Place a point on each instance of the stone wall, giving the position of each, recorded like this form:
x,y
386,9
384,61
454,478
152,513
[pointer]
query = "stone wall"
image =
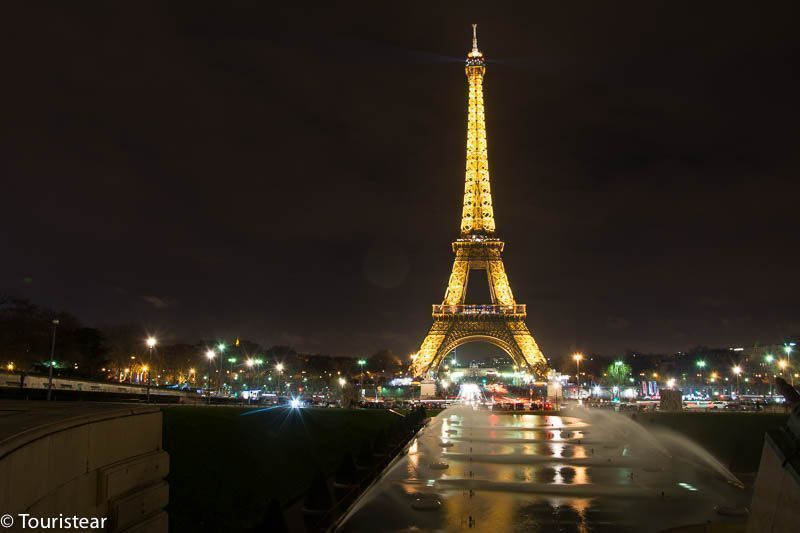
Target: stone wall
x,y
776,495
101,461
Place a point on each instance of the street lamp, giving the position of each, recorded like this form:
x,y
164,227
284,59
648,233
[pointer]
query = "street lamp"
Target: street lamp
x,y
342,382
231,360
210,355
249,362
258,362
701,365
221,349
279,368
788,350
361,363
769,359
578,357
151,343
50,366
738,371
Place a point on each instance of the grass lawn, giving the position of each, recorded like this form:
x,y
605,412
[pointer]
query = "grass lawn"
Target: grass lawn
x,y
226,463
736,439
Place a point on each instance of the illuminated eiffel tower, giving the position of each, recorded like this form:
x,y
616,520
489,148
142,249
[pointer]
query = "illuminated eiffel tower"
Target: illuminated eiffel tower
x,y
501,323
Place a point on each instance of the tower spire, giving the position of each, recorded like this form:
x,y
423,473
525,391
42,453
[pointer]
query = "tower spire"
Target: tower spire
x,y
477,216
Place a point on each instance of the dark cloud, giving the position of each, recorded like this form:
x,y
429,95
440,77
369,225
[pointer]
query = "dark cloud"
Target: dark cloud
x,y
159,303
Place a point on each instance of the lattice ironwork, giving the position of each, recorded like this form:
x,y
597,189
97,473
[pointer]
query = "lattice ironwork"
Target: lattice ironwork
x,y
501,322
477,216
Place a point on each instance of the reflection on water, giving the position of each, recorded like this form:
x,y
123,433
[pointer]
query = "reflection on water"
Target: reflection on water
x,y
511,472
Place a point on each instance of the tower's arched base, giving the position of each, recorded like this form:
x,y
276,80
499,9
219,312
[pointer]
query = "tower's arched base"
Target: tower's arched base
x,y
509,333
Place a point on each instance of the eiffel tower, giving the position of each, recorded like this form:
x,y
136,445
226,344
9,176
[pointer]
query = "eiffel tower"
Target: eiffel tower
x,y
501,323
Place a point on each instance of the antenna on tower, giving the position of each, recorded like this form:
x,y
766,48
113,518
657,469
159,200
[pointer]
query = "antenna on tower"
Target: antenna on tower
x,y
474,37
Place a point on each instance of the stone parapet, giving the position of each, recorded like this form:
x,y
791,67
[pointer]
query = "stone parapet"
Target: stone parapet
x,y
84,460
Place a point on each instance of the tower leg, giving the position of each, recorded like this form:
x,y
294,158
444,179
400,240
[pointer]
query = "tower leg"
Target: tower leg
x,y
425,358
534,358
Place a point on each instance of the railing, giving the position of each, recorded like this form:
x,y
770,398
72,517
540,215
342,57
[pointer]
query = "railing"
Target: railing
x,y
479,309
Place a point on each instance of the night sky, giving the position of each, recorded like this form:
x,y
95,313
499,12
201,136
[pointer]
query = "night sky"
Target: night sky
x,y
295,177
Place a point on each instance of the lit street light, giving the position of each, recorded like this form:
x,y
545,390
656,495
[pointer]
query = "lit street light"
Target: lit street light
x,y
258,362
361,363
52,360
578,357
231,360
279,368
768,358
738,371
151,343
221,348
788,350
210,355
249,362
701,365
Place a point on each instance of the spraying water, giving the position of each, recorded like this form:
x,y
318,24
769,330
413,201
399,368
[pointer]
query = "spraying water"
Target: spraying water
x,y
472,468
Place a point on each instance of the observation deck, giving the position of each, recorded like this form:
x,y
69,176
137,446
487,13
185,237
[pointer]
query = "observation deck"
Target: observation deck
x,y
473,310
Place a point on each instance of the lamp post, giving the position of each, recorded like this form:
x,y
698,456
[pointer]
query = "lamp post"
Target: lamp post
x,y
361,363
578,357
258,363
771,376
210,354
50,366
738,371
279,368
782,364
701,365
249,364
342,383
151,343
788,350
231,360
221,348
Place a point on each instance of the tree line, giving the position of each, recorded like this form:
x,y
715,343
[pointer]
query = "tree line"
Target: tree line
x,y
26,333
